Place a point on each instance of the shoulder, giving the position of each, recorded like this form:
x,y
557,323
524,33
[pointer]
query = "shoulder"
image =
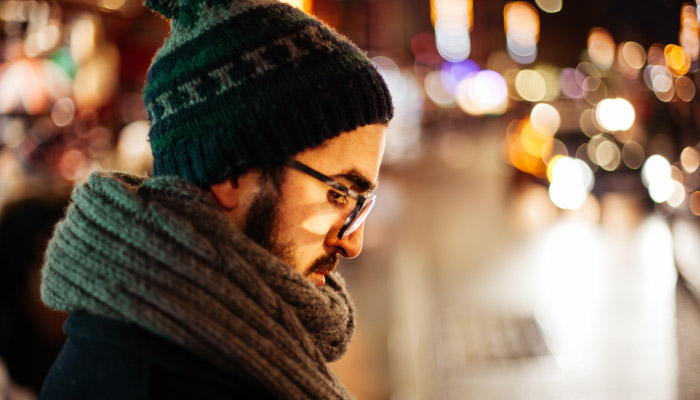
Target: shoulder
x,y
107,359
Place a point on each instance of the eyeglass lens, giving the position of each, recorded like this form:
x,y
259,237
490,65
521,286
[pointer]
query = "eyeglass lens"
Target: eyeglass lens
x,y
359,216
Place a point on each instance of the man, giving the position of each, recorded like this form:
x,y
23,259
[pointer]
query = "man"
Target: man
x,y
215,279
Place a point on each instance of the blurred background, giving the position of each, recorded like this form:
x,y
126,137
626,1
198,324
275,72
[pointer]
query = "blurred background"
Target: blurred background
x,y
538,214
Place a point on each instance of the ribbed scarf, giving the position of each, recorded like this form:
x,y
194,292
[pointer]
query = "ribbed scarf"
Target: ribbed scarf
x,y
160,253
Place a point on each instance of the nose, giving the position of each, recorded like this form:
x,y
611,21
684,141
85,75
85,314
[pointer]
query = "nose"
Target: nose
x,y
350,246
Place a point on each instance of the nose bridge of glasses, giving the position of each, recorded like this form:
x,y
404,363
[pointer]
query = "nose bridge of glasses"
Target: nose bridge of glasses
x,y
358,205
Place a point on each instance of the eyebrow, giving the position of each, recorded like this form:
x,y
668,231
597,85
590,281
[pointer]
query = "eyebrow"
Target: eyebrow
x,y
358,180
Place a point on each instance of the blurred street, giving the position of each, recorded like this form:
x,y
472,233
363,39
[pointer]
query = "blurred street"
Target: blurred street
x,y
482,289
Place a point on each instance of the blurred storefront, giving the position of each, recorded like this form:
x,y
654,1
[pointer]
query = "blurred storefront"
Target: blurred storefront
x,y
540,187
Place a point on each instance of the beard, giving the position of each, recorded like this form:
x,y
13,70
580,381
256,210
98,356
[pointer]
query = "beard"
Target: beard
x,y
259,225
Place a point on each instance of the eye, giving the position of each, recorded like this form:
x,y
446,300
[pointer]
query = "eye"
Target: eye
x,y
337,198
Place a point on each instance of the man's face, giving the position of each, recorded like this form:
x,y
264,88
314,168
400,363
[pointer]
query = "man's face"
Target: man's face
x,y
300,222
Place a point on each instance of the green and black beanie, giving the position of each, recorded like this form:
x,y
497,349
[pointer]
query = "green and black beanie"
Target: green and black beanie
x,y
243,84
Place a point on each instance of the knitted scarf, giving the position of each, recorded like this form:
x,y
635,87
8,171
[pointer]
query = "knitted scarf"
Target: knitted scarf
x,y
160,253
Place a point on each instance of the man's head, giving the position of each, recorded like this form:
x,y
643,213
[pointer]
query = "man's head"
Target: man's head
x,y
299,218
242,87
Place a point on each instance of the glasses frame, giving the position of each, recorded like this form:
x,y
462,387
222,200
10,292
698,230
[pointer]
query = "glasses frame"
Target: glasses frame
x,y
364,201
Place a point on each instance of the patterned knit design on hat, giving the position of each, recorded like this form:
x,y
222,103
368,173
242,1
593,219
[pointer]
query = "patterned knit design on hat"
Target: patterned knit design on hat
x,y
241,84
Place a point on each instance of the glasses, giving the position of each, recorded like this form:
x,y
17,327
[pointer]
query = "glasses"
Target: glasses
x,y
364,205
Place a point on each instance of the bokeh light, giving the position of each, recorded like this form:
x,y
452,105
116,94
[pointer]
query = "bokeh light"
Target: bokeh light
x,y
582,154
530,85
403,134
660,81
133,150
549,6
96,80
553,148
608,155
596,95
551,82
694,203
455,72
484,92
588,124
656,176
436,90
571,182
676,174
545,119
83,37
73,165
522,26
550,166
569,84
29,85
615,114
12,132
586,70
388,68
452,40
677,196
453,21
62,112
655,55
690,159
655,168
532,140
592,147
633,55
43,33
304,5
589,77
523,147
689,36
685,88
661,191
677,59
601,47
633,154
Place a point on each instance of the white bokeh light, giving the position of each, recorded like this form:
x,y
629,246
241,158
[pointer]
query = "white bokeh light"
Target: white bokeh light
x,y
545,118
452,40
660,191
656,168
436,90
483,92
678,196
572,181
615,114
656,175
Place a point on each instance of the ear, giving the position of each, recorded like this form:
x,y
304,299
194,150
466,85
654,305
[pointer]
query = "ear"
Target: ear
x,y
232,192
226,193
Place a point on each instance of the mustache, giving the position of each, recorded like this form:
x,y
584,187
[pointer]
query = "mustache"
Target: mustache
x,y
325,264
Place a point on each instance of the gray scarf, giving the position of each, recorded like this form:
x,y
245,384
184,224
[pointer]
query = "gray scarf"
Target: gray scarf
x,y
161,254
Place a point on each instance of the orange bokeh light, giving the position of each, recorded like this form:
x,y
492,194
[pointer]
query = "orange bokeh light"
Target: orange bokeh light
x,y
677,59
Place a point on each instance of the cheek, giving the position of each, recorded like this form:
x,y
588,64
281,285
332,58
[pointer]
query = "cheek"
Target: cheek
x,y
306,225
319,224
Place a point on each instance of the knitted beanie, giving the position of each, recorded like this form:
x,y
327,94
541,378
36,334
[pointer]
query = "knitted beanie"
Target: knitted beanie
x,y
243,84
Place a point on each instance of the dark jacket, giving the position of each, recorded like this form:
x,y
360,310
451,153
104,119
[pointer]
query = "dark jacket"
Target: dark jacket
x,y
107,359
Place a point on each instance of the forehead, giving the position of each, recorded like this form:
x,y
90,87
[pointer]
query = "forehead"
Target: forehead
x,y
360,150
